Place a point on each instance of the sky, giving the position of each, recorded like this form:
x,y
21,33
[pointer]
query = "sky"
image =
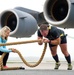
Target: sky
x,y
34,50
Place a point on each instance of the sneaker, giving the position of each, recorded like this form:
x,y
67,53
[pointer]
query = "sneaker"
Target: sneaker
x,y
5,66
57,65
69,67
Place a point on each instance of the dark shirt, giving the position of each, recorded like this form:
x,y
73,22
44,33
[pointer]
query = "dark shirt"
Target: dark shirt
x,y
53,33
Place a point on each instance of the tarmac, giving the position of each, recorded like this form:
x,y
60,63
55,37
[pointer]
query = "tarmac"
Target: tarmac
x,y
44,68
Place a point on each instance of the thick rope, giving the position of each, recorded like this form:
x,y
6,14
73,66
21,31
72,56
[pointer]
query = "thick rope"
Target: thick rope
x,y
10,68
34,65
25,62
21,42
1,61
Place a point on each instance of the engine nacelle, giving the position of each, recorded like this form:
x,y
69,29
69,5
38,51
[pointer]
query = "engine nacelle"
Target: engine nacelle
x,y
22,24
59,13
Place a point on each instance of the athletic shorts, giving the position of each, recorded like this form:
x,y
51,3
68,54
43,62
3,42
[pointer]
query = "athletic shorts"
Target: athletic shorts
x,y
63,41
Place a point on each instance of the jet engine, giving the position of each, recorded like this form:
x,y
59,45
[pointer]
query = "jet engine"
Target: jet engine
x,y
59,13
22,22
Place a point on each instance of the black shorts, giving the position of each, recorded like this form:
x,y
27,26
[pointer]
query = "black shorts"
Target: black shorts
x,y
63,41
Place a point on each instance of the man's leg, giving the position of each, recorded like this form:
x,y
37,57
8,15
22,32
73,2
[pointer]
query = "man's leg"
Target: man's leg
x,y
67,55
55,56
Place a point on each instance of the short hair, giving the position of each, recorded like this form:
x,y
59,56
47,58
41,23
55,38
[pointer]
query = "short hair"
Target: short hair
x,y
44,27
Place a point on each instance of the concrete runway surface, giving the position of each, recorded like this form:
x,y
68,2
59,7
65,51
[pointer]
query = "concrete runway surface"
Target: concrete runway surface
x,y
37,72
46,68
